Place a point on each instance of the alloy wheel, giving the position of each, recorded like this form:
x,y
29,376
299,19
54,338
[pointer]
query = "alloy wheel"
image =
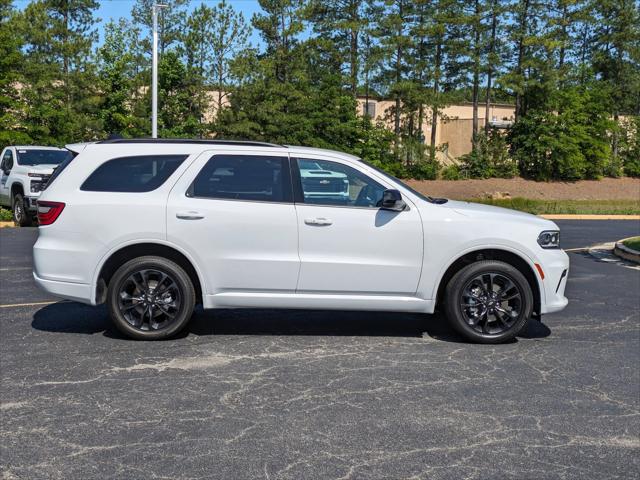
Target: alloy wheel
x,y
149,299
491,303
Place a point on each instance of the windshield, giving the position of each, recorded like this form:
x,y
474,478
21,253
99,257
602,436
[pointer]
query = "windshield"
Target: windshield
x,y
397,180
42,157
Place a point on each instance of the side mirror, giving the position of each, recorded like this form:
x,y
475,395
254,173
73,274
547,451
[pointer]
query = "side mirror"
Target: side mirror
x,y
392,200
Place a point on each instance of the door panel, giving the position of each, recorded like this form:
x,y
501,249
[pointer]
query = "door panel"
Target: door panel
x,y
240,245
350,249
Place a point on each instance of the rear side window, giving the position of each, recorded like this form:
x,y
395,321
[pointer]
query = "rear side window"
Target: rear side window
x,y
244,177
133,174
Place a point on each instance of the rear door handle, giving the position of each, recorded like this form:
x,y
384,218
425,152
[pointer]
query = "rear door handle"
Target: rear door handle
x,y
190,215
318,221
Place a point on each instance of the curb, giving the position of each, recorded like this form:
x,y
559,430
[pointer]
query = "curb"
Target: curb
x,y
590,217
626,253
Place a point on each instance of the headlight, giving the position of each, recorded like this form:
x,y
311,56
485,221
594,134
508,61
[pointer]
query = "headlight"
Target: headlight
x,y
549,239
36,187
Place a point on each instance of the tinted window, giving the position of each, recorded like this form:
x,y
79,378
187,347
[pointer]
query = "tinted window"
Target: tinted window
x,y
42,157
243,177
7,161
133,174
330,183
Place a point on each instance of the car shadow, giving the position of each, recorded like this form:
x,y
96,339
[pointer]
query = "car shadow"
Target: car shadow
x,y
71,317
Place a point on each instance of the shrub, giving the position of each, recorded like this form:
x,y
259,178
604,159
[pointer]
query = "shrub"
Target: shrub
x,y
5,215
490,157
451,172
630,147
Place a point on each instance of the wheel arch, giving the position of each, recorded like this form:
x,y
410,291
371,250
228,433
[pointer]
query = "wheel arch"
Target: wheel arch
x,y
118,257
518,261
16,187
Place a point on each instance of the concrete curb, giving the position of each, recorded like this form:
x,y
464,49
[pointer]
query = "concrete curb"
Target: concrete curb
x,y
590,217
626,253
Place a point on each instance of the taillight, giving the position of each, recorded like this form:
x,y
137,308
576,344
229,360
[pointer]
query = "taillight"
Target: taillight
x,y
48,212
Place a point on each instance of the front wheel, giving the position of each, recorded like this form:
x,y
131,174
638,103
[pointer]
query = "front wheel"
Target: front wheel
x,y
150,298
489,301
21,217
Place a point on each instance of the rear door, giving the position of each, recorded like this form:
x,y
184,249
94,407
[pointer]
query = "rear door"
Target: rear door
x,y
234,214
348,245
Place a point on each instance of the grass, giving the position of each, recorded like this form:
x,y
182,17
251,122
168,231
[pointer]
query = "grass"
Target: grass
x,y
571,207
633,243
5,215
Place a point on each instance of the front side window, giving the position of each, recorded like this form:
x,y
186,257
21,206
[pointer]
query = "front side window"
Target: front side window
x,y
243,177
330,183
42,157
7,161
133,174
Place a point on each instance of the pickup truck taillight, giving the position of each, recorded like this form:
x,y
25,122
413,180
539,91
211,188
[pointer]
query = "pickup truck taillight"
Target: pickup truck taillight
x,y
48,212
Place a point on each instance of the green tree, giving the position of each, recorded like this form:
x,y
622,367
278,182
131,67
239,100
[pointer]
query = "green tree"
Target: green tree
x,y
59,74
12,107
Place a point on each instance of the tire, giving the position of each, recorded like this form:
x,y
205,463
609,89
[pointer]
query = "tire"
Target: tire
x,y
137,312
21,217
496,288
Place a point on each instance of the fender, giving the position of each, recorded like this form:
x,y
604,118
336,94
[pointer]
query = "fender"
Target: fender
x,y
128,243
490,246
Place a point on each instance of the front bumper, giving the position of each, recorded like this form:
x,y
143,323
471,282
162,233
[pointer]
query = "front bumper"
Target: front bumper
x,y
555,266
31,204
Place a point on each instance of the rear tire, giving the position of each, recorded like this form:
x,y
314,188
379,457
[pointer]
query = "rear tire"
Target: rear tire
x,y
21,217
150,298
489,302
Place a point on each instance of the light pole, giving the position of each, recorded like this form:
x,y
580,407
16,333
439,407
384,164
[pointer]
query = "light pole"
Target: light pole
x,y
154,72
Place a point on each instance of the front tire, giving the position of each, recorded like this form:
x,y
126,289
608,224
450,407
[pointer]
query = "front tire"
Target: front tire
x,y
489,301
150,298
21,217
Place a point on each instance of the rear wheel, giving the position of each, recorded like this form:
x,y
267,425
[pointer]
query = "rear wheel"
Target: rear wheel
x,y
21,216
489,301
150,298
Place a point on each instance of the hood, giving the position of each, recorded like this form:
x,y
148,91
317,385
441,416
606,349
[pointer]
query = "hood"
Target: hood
x,y
479,210
41,169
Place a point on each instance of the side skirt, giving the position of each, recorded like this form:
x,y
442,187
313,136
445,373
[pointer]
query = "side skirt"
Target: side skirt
x,y
313,301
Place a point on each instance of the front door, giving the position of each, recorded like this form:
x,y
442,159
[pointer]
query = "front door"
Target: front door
x,y
348,245
235,216
6,164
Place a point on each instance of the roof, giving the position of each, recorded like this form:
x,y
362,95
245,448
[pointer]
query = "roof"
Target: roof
x,y
35,147
188,141
194,143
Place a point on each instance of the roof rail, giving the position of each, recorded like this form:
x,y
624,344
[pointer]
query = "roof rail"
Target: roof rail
x,y
189,140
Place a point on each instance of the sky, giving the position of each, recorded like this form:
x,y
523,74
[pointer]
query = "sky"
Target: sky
x,y
114,9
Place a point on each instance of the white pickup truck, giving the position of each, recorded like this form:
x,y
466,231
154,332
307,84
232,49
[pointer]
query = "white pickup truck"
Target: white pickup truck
x,y
24,171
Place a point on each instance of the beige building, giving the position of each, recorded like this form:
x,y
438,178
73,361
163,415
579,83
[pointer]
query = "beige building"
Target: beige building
x,y
454,127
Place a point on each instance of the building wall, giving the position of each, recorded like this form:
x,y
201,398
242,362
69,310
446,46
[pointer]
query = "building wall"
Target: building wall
x,y
454,126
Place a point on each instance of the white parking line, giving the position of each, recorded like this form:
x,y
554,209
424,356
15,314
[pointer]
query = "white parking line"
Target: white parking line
x,y
11,269
34,304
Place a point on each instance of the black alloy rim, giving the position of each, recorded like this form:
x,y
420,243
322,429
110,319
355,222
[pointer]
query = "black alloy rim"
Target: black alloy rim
x,y
149,300
491,303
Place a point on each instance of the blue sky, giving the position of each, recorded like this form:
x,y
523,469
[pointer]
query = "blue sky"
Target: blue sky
x,y
114,9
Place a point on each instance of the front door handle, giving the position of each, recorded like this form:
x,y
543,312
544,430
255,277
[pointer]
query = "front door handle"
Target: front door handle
x,y
190,215
318,221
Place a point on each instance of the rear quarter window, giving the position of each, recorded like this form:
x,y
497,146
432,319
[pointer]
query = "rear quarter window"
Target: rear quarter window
x,y
133,174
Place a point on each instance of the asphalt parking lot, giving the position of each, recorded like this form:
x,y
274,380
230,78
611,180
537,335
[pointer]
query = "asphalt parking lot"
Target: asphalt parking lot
x,y
304,395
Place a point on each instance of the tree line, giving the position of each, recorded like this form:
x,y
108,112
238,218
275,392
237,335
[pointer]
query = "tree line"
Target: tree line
x,y
571,68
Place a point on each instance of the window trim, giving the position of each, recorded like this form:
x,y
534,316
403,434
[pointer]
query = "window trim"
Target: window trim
x,y
298,193
82,189
286,172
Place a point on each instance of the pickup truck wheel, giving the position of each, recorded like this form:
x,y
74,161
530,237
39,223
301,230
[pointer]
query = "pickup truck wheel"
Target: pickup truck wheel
x,y
21,217
489,301
150,298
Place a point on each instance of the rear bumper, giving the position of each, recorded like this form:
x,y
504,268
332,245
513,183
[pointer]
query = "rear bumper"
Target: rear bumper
x,y
78,292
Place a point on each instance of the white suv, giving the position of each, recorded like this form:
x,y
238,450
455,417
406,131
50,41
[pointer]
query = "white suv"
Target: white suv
x,y
153,227
24,171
